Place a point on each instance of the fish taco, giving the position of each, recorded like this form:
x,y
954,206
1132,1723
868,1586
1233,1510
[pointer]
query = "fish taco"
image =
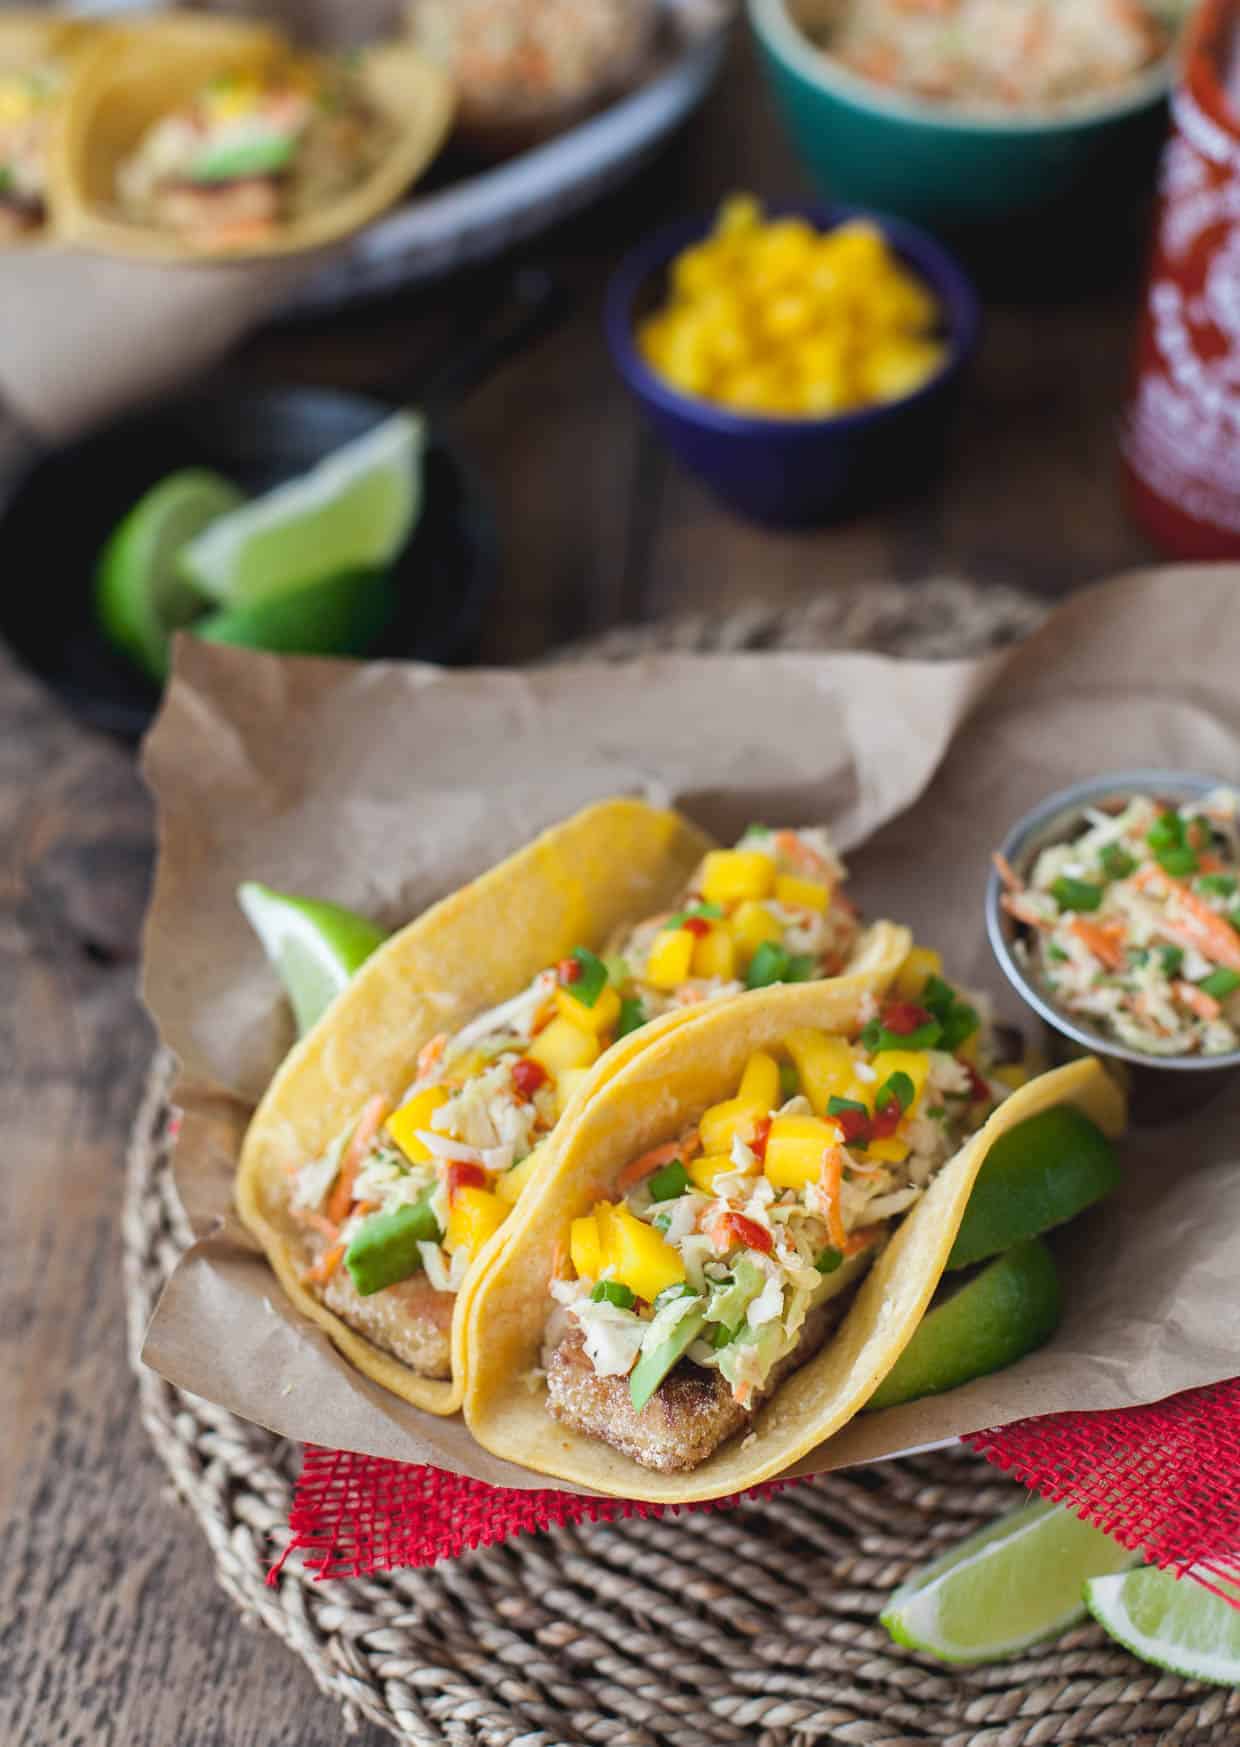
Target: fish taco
x,y
38,52
185,141
741,1233
382,1166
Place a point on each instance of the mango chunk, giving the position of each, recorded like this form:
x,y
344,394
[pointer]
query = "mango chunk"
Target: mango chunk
x,y
913,1062
801,894
760,1082
714,955
511,1185
704,1169
921,964
671,958
563,1045
585,1247
730,875
795,1149
415,1113
473,1216
640,1257
601,1017
752,926
825,1065
721,1124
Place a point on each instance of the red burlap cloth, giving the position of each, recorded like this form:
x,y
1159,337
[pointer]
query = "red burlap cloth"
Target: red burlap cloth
x,y
1163,1479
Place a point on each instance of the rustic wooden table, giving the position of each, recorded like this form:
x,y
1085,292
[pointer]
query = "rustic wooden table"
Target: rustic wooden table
x,y
112,1628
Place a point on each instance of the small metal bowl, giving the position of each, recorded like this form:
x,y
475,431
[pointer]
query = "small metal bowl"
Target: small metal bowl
x,y
1160,1088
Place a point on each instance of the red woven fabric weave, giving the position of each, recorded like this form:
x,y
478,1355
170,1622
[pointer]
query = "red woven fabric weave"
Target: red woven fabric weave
x,y
1163,1479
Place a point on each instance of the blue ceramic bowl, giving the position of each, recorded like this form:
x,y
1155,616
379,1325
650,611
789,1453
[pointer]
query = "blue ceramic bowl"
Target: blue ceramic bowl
x,y
945,168
789,471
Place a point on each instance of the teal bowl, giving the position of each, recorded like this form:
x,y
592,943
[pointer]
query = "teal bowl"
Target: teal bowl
x,y
948,170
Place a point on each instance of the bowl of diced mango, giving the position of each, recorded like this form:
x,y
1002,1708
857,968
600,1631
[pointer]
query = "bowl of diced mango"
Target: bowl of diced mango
x,y
802,361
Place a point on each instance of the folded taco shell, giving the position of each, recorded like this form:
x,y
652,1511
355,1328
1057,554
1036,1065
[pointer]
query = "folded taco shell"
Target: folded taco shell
x,y
650,1100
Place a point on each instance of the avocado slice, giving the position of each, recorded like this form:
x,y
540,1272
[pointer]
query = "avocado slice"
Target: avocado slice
x,y
245,160
385,1250
653,1367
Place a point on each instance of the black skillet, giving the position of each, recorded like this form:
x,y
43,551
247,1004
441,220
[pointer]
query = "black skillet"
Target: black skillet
x,y
58,507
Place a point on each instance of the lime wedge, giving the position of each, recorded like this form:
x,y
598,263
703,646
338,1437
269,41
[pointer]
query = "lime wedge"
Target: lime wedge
x,y
314,947
140,595
1038,1175
346,615
1012,1584
1009,1308
354,511
1175,1625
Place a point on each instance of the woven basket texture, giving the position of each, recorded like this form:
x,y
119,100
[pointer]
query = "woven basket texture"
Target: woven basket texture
x,y
756,1627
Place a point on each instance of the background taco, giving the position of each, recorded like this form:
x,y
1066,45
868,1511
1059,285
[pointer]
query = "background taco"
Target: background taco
x,y
382,1166
38,52
199,137
566,1401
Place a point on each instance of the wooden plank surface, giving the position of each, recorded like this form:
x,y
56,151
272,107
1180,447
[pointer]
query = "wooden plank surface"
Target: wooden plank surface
x,y
111,1626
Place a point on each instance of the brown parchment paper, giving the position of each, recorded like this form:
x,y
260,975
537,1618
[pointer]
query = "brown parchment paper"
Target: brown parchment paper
x,y
382,786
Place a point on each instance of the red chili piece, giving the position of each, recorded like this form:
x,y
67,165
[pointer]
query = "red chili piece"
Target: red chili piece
x,y
884,1123
698,926
736,1228
854,1125
463,1175
761,1134
569,970
979,1091
528,1075
905,1017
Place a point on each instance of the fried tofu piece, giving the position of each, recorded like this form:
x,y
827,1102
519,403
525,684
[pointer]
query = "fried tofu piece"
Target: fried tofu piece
x,y
410,1320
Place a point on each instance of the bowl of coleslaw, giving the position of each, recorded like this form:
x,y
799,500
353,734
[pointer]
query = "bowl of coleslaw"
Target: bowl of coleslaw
x,y
1114,911
973,112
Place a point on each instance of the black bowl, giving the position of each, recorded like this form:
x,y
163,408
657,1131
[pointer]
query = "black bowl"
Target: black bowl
x,y
57,511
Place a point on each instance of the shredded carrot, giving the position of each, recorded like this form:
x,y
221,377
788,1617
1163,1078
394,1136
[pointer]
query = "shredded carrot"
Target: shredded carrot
x,y
1197,926
543,1017
1007,873
687,1147
368,1125
834,1160
430,1055
1197,1000
1017,904
320,1223
1209,863
325,1267
801,855
1105,940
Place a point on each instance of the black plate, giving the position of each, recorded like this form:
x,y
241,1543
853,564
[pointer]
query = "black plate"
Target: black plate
x,y
58,511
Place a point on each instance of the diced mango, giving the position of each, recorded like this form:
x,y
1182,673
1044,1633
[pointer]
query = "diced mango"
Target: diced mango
x,y
760,1082
891,1151
801,894
913,1062
825,1065
585,1246
795,1148
511,1185
970,1050
472,1217
671,958
704,1169
460,1068
922,963
1012,1074
752,926
721,1124
731,875
714,955
566,1083
563,1045
601,1017
640,1257
415,1113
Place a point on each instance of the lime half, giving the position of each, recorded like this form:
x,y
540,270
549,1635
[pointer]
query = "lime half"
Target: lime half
x,y
1175,1625
1038,1175
1012,1306
140,595
314,947
344,615
354,511
1010,1585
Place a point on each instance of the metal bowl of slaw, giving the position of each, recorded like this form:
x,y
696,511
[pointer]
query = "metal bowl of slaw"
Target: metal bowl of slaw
x,y
1160,1088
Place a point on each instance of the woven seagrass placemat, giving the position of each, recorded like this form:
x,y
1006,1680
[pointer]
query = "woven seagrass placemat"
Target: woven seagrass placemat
x,y
756,1627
